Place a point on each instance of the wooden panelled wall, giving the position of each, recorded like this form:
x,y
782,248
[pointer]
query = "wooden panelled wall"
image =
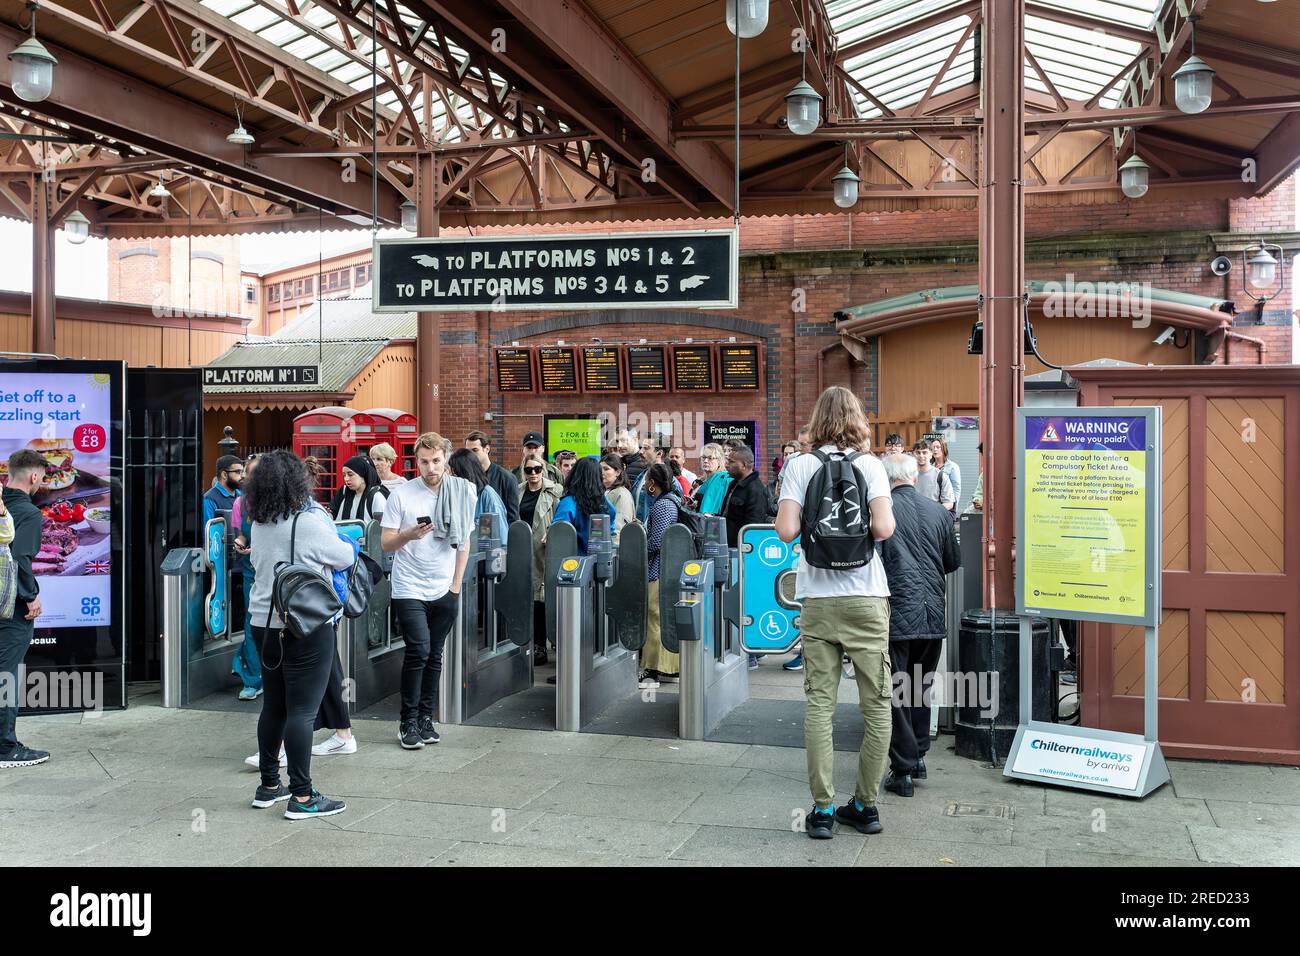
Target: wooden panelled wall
x,y
135,344
926,365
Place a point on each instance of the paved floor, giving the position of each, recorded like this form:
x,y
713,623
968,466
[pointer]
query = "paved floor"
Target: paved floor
x,y
149,786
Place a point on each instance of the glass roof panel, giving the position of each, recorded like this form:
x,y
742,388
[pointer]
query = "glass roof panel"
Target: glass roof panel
x,y
1078,60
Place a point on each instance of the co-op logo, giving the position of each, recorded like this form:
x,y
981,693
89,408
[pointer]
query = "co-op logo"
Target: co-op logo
x,y
76,909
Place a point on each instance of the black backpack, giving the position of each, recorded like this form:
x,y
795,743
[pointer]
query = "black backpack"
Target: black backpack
x,y
302,596
836,531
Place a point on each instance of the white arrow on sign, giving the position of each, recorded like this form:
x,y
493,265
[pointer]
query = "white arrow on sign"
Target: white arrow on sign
x,y
692,282
429,262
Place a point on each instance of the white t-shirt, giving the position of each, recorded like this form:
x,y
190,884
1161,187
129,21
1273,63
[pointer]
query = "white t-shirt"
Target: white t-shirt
x,y
810,582
393,483
422,569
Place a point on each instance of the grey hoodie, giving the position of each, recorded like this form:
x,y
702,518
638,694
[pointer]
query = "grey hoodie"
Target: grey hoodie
x,y
317,545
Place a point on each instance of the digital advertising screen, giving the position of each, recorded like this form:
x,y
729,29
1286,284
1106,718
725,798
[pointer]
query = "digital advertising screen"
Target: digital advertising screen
x,y
575,434
70,413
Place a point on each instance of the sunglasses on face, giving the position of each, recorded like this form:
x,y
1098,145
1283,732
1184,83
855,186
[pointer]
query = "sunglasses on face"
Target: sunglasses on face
x,y
532,471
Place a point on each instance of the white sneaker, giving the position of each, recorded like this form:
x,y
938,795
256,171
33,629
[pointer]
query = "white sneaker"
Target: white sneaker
x,y
255,761
647,682
335,745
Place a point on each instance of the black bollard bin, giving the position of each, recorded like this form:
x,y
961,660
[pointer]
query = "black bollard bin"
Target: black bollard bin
x,y
983,651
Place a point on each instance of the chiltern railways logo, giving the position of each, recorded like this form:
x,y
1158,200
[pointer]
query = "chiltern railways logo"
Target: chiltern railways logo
x,y
1049,434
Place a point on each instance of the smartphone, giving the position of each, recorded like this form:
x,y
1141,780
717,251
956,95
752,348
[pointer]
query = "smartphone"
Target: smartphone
x,y
424,520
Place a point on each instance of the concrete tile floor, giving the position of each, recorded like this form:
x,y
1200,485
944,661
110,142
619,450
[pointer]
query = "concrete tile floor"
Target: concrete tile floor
x,y
154,787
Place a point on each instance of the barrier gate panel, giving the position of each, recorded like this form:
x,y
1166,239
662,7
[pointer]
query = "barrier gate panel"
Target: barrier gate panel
x,y
626,603
496,653
561,543
678,547
371,656
769,616
515,592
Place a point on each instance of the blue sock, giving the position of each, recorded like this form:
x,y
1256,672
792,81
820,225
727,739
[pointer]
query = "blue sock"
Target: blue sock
x,y
857,805
826,811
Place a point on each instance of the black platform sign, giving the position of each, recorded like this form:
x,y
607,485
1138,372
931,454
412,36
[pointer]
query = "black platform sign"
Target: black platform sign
x,y
651,270
253,376
739,367
514,370
693,368
601,369
559,369
647,368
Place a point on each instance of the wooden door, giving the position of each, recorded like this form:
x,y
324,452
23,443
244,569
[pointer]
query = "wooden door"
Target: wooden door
x,y
1229,652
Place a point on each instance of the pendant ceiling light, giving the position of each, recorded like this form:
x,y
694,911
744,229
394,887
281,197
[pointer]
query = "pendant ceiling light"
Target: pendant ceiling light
x,y
1193,81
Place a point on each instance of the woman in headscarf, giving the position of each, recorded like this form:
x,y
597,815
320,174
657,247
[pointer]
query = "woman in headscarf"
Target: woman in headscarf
x,y
361,496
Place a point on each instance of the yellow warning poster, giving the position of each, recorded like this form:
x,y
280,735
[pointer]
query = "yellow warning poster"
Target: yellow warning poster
x,y
1084,542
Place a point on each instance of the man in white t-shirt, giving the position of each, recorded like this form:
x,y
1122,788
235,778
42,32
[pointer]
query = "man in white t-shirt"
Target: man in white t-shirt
x,y
426,579
842,612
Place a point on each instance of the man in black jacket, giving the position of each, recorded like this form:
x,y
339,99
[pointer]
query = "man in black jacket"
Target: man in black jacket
x,y
918,557
26,471
503,482
633,464
747,501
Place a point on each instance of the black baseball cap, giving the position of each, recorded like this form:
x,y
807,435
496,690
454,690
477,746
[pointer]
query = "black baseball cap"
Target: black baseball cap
x,y
533,438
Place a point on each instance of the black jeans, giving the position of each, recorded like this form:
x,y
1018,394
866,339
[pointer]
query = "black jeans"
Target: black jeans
x,y
425,626
294,674
333,711
909,740
15,638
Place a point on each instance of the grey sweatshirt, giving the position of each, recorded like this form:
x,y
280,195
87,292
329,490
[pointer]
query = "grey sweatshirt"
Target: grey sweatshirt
x,y
317,545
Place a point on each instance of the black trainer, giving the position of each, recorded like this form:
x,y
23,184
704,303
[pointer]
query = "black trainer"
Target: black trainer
x,y
820,826
539,657
426,730
408,735
318,806
919,773
866,820
22,756
899,783
268,797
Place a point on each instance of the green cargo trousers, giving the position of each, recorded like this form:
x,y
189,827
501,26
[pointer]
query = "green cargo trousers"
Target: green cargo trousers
x,y
829,628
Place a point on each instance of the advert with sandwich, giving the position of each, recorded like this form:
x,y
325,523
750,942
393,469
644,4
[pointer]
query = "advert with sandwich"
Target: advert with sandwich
x,y
66,417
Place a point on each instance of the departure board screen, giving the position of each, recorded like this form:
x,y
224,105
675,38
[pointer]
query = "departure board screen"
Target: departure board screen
x,y
601,369
693,368
559,369
514,370
647,368
739,366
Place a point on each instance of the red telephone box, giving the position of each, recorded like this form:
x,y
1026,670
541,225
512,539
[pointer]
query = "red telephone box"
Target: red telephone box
x,y
395,427
325,434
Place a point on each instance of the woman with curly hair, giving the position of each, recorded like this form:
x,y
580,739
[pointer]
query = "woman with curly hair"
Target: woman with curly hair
x,y
287,528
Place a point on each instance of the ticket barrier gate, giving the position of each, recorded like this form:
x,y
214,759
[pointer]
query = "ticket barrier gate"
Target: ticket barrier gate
x,y
600,617
198,643
699,611
369,651
488,654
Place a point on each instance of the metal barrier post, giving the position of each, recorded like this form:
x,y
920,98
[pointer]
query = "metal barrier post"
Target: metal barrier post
x,y
693,616
182,574
576,575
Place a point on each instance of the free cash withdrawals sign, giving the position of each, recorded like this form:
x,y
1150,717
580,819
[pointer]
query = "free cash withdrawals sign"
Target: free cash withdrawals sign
x,y
1089,529
652,270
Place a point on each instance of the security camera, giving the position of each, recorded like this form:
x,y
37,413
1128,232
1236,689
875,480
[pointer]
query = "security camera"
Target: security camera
x,y
1165,336
1221,265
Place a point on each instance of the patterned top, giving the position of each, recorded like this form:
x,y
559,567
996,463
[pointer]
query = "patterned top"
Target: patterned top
x,y
662,514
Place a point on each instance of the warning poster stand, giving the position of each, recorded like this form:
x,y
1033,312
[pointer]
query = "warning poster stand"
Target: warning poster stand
x,y
1088,541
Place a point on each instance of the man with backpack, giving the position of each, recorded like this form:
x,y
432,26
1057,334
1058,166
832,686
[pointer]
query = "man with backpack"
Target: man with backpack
x,y
836,503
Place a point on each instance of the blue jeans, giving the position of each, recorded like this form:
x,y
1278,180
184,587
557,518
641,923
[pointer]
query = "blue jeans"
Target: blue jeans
x,y
246,665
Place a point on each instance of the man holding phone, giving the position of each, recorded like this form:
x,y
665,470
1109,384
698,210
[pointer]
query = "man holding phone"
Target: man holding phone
x,y
427,523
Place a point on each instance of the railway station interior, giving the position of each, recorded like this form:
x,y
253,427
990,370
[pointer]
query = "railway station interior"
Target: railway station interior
x,y
246,227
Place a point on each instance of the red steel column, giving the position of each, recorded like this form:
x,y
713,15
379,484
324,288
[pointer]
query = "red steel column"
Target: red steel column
x,y
428,327
42,269
1002,267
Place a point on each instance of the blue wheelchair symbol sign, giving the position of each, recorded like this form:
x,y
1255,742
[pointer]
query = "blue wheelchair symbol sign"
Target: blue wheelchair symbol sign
x,y
773,626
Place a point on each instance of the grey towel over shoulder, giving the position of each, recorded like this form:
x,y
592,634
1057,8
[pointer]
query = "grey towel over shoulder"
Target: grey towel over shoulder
x,y
453,519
